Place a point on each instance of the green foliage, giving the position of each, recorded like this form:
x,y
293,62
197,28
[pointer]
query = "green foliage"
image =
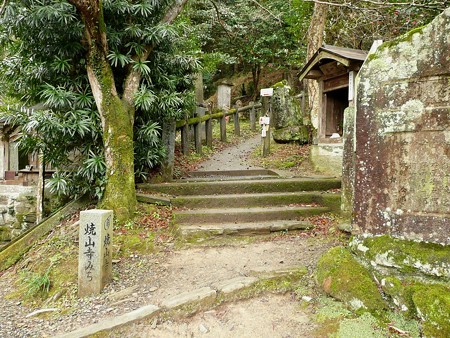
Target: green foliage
x,y
248,34
37,284
43,66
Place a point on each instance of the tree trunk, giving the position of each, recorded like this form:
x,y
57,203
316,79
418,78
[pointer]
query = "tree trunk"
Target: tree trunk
x,y
315,40
116,113
117,117
256,72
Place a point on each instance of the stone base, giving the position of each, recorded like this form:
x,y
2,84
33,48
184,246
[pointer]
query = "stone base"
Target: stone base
x,y
327,158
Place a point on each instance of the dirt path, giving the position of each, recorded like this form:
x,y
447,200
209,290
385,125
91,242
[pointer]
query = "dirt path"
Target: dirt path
x,y
269,315
233,158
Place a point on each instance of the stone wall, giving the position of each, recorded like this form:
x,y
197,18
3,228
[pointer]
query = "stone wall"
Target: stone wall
x,y
402,163
17,210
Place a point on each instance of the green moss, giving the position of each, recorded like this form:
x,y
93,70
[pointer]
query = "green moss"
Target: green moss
x,y
407,37
409,256
135,242
366,326
344,278
433,307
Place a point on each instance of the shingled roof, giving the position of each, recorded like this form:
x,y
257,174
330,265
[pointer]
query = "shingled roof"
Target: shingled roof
x,y
328,52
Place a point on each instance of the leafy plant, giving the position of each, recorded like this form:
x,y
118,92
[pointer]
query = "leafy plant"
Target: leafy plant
x,y
37,284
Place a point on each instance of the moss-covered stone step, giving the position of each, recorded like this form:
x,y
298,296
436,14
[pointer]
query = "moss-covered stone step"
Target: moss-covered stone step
x,y
243,186
242,215
330,200
203,231
231,173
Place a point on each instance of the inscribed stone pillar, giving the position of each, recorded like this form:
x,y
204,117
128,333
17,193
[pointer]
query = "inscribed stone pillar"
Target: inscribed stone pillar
x,y
13,156
224,96
402,163
95,251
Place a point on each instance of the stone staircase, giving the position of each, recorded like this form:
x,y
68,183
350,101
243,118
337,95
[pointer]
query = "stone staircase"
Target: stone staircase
x,y
245,202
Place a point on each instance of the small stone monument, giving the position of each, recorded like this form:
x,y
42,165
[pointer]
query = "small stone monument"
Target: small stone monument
x,y
95,251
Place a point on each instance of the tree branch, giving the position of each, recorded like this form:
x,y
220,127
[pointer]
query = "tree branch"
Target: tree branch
x,y
268,11
3,8
133,78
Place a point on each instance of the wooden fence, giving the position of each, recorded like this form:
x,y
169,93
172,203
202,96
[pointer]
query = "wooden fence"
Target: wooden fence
x,y
197,123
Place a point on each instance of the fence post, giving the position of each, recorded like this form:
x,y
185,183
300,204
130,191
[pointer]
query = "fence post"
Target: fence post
x,y
185,139
198,137
223,128
209,134
237,127
252,116
266,139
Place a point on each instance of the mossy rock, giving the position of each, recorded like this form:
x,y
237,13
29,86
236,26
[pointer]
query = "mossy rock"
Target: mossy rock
x,y
407,256
433,307
344,278
299,134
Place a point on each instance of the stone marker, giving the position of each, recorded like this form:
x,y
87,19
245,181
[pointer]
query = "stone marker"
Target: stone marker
x,y
95,251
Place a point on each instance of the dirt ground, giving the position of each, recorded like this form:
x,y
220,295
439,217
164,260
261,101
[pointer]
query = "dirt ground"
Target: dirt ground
x,y
267,315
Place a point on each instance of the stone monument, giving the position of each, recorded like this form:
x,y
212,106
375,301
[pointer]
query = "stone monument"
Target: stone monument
x,y
95,251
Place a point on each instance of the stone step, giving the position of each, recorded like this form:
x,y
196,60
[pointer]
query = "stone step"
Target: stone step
x,y
231,173
330,200
202,231
243,186
244,215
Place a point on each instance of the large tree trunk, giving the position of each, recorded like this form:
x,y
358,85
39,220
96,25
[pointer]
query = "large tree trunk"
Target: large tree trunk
x,y
116,113
315,40
117,116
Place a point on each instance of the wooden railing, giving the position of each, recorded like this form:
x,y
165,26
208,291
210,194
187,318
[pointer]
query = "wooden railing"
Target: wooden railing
x,y
197,123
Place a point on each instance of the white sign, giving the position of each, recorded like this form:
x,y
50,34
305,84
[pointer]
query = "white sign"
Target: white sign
x,y
264,120
351,85
267,92
263,132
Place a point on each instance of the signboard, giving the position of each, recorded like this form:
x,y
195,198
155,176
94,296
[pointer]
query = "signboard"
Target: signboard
x,y
351,85
264,120
267,92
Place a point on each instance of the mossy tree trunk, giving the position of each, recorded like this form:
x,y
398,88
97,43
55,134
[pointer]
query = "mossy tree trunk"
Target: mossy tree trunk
x,y
117,116
116,111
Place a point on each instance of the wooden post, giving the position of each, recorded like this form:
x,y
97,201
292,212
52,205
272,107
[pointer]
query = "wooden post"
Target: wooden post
x,y
198,137
223,128
185,139
237,127
252,117
266,139
209,134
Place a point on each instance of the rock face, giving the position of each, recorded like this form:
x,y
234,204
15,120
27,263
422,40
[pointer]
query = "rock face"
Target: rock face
x,y
287,119
402,164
